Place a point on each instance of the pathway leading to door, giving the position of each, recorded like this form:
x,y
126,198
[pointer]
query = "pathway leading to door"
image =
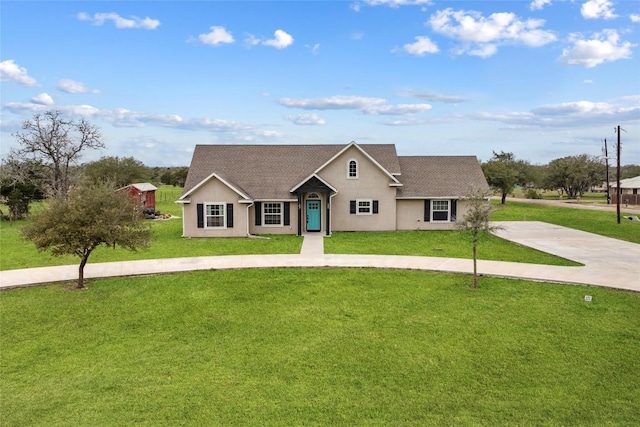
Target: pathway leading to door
x,y
313,244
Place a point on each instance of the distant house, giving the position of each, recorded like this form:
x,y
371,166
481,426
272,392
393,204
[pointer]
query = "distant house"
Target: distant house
x,y
240,190
144,193
629,189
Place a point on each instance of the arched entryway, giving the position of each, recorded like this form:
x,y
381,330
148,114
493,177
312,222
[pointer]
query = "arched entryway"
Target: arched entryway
x,y
313,212
314,206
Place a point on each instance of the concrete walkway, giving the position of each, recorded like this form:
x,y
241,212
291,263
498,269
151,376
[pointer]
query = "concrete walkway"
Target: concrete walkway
x,y
313,244
608,262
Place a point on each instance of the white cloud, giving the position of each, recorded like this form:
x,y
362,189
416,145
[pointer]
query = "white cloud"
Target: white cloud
x,y
397,110
565,115
216,36
280,40
76,110
305,119
252,40
338,102
538,4
71,86
314,49
576,107
481,35
635,17
373,106
421,46
594,9
433,97
43,99
483,50
390,3
120,22
590,82
12,72
603,47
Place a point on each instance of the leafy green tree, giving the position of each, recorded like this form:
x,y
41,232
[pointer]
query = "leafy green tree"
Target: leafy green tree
x,y
476,222
21,182
91,216
179,176
575,174
120,171
174,176
629,171
503,171
59,143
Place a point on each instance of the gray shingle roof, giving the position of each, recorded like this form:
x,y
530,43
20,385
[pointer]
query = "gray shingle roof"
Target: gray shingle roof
x,y
440,176
270,171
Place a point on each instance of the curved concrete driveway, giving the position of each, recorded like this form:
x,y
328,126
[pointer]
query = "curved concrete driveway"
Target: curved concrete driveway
x,y
608,262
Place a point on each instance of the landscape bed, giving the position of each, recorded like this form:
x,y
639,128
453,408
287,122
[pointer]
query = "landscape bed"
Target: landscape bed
x,y
319,347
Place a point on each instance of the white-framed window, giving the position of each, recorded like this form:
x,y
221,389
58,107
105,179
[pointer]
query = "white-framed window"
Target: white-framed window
x,y
215,215
272,214
352,169
440,210
364,207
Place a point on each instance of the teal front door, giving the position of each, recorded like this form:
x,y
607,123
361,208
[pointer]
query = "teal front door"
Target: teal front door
x,y
313,215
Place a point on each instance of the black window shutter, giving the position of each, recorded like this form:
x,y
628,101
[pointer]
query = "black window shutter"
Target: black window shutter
x,y
352,206
258,210
427,210
454,209
200,211
229,215
287,213
375,206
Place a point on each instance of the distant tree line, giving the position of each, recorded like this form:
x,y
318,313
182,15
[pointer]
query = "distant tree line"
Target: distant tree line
x,y
46,164
84,210
571,176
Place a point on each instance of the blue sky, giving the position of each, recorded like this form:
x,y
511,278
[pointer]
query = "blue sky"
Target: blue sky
x,y
543,79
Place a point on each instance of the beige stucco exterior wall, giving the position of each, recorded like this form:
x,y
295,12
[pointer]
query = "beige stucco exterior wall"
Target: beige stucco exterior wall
x,y
214,191
372,184
292,228
410,216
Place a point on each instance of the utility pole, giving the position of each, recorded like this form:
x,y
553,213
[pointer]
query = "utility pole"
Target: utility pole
x,y
606,159
618,192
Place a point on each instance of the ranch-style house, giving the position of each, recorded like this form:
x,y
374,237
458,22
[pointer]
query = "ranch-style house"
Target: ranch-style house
x,y
243,190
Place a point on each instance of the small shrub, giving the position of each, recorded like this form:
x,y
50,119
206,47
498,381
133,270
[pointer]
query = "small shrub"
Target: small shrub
x,y
532,193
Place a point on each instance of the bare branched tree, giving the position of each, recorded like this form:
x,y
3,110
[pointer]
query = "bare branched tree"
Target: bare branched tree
x,y
476,222
59,143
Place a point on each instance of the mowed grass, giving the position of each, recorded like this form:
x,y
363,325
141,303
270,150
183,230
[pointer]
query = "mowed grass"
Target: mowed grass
x,y
449,244
598,222
167,242
15,252
285,347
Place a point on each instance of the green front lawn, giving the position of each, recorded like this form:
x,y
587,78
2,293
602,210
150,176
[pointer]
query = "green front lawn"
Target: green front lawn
x,y
166,243
449,244
15,252
287,347
598,222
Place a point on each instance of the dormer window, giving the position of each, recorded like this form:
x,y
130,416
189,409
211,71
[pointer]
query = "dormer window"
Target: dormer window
x,y
352,169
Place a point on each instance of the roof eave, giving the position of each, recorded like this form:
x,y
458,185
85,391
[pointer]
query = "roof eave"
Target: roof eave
x,y
353,144
207,179
301,183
